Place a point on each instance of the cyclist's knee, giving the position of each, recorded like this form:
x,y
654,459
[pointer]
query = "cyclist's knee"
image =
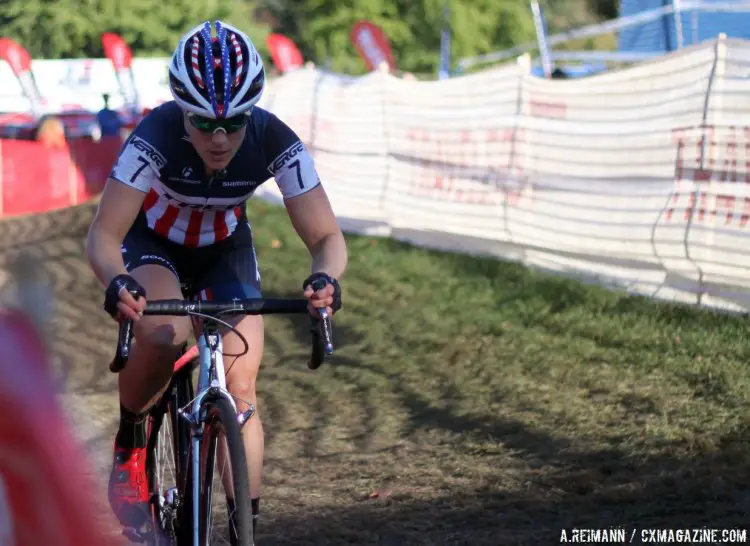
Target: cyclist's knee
x,y
242,372
243,390
241,378
160,336
164,337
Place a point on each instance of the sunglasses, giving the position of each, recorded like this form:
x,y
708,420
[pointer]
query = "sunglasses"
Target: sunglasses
x,y
209,125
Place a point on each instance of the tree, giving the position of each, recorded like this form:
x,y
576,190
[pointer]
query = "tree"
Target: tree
x,y
321,28
73,28
606,9
565,15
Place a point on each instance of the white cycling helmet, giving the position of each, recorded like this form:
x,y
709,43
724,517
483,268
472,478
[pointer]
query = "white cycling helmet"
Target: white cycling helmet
x,y
216,77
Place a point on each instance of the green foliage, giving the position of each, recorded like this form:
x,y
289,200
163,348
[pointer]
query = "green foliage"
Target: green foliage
x,y
73,28
567,14
320,28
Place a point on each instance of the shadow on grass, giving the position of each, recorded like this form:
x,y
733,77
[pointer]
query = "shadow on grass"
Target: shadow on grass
x,y
567,482
663,493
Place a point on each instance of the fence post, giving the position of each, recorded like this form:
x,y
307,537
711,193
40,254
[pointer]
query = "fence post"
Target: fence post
x,y
716,82
386,80
715,79
716,107
524,62
677,13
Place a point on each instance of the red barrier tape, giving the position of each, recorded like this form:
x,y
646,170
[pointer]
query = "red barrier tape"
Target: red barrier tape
x,y
45,497
442,166
709,155
35,178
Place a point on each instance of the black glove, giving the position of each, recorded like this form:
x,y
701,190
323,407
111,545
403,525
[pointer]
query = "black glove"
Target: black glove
x,y
319,281
112,294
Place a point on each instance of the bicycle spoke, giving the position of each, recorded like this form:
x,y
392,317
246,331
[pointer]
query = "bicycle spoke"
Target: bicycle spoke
x,y
222,475
165,457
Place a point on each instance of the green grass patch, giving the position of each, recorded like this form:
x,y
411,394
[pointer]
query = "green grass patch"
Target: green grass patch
x,y
497,404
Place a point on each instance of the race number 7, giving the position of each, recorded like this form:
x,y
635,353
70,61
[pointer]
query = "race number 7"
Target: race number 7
x,y
139,170
298,168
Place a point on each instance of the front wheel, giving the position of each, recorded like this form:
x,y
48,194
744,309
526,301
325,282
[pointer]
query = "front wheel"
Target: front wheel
x,y
222,427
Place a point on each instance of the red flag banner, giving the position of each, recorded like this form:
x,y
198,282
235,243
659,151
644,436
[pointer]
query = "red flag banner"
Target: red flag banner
x,y
284,53
117,51
15,55
372,44
19,61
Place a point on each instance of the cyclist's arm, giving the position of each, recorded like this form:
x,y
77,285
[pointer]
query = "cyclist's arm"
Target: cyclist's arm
x,y
132,176
117,210
314,221
305,199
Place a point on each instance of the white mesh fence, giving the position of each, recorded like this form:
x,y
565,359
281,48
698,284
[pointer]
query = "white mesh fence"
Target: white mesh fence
x,y
638,177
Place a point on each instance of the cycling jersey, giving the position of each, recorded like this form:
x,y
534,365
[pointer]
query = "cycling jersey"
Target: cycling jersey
x,y
191,209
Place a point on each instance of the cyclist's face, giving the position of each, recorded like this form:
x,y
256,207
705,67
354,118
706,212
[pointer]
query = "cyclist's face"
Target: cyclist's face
x,y
216,148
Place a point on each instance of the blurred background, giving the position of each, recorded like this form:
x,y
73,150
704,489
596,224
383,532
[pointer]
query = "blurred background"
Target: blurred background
x,y
319,28
602,146
422,39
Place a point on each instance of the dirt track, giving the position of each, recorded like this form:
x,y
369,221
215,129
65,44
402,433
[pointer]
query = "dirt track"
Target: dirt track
x,y
324,455
83,340
471,452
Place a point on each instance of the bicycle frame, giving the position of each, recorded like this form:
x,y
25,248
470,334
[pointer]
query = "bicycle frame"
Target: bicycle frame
x,y
211,383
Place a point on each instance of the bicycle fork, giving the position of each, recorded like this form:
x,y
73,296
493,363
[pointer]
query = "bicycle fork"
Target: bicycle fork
x,y
212,384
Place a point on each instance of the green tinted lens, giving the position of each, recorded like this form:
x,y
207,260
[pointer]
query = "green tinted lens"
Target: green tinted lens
x,y
202,124
230,125
235,123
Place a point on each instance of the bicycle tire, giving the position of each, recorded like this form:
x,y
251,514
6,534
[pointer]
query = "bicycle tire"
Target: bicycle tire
x,y
178,394
183,395
221,418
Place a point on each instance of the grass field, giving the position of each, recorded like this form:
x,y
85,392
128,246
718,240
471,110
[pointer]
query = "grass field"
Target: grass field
x,y
492,405
470,402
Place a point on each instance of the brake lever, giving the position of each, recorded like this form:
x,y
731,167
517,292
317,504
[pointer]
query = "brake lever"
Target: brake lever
x,y
124,339
322,333
327,331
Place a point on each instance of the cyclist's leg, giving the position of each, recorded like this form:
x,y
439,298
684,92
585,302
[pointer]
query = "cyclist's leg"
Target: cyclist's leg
x,y
234,274
156,343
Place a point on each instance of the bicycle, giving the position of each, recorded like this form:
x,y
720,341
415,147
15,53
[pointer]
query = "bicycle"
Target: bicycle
x,y
196,421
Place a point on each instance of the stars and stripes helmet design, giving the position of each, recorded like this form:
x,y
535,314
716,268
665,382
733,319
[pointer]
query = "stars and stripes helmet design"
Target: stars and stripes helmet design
x,y
217,76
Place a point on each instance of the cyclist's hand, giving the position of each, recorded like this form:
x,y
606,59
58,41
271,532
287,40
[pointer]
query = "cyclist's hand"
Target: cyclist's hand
x,y
120,303
327,295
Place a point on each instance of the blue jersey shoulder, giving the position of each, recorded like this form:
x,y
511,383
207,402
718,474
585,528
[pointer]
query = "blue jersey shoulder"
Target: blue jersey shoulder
x,y
161,125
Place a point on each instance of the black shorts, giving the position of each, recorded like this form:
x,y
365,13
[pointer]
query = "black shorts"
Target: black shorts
x,y
221,271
